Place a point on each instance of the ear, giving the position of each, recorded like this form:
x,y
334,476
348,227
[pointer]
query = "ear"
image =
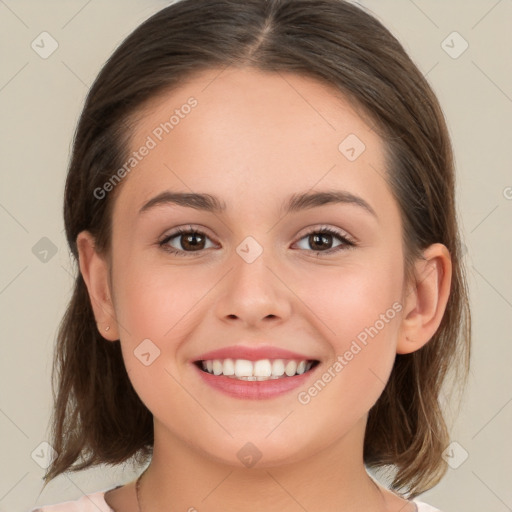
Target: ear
x,y
94,269
426,300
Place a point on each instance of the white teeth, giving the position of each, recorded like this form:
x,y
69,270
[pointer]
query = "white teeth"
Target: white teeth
x,y
277,367
291,368
217,367
243,368
263,369
301,367
228,367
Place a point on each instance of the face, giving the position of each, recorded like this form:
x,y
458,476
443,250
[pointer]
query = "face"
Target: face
x,y
323,279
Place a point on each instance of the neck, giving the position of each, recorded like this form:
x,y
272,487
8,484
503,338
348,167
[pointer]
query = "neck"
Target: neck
x,y
181,478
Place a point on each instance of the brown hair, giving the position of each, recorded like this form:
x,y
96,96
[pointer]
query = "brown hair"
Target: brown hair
x,y
98,417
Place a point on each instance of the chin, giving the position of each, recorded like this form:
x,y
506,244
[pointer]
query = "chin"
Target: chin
x,y
260,451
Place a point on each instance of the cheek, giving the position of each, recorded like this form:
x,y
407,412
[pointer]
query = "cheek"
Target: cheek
x,y
155,302
358,311
155,307
350,300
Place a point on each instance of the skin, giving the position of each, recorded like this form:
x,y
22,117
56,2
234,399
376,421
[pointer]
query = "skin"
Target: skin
x,y
254,139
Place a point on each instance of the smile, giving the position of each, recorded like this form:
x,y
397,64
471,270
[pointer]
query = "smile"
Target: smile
x,y
263,369
255,380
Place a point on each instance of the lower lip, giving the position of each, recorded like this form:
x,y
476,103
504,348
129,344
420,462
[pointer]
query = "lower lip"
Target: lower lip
x,y
255,389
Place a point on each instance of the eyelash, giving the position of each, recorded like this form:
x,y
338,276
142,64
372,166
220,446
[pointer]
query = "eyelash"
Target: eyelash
x,y
346,242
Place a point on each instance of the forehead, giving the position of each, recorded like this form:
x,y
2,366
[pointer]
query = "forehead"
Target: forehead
x,y
245,135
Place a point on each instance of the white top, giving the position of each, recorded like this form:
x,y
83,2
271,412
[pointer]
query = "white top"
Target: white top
x,y
95,502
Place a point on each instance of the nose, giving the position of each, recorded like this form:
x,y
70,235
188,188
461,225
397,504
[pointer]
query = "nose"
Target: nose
x,y
254,293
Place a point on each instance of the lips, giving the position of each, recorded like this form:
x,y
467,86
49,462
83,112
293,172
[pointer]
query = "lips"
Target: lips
x,y
253,353
254,372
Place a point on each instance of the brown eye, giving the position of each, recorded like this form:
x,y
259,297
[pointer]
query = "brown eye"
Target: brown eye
x,y
192,241
323,240
320,241
183,241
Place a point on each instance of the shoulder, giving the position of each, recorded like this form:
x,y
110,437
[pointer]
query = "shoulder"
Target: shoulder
x,y
94,502
424,507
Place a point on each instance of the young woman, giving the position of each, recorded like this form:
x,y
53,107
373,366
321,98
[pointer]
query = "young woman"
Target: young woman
x,y
270,291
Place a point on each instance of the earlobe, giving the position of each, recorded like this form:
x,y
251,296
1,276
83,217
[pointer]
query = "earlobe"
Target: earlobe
x,y
94,269
425,304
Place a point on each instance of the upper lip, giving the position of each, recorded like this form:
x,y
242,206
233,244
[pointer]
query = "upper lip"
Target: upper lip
x,y
252,353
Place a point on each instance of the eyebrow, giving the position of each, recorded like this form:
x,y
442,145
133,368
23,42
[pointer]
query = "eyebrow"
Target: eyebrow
x,y
295,203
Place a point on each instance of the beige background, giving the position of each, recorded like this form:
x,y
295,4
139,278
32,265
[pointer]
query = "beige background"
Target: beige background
x,y
40,100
